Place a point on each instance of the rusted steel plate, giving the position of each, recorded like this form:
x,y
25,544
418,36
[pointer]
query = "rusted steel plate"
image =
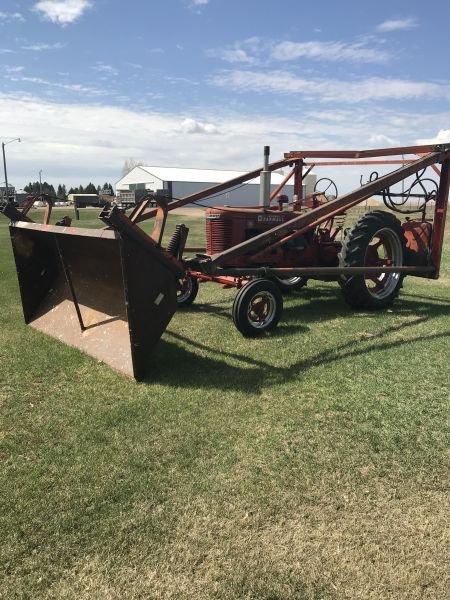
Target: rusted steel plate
x,y
126,296
400,150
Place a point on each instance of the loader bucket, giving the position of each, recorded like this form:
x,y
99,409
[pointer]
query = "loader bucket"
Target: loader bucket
x,y
105,293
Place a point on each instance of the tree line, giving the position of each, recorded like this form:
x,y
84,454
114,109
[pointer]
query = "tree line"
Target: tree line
x,y
61,191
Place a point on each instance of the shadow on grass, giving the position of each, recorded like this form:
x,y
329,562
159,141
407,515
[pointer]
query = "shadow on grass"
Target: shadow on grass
x,y
207,367
222,308
322,309
427,298
319,304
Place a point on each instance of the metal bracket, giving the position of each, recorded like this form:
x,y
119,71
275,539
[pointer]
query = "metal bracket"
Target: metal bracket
x,y
13,214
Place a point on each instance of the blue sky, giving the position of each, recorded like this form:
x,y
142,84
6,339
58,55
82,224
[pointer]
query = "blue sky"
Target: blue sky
x,y
89,83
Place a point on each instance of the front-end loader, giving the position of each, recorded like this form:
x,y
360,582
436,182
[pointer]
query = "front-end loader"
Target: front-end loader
x,y
112,291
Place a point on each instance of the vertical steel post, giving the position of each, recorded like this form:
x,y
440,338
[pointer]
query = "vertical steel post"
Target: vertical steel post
x,y
4,169
440,213
298,182
264,181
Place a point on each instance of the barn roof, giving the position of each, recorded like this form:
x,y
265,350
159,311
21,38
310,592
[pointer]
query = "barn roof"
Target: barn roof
x,y
201,175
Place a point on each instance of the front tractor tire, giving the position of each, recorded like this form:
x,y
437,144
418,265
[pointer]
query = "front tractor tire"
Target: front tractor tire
x,y
377,239
257,307
188,291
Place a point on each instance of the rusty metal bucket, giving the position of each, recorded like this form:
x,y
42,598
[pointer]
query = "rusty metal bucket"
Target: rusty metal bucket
x,y
109,294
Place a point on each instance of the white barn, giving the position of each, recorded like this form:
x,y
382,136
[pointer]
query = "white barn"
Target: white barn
x,y
182,182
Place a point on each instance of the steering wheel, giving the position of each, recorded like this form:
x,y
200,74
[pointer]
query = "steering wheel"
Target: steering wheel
x,y
323,186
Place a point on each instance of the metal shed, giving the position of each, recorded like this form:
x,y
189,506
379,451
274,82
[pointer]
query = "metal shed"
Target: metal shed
x,y
182,182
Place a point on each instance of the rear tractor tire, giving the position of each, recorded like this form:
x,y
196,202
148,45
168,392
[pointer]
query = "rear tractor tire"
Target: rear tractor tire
x,y
291,284
377,239
257,307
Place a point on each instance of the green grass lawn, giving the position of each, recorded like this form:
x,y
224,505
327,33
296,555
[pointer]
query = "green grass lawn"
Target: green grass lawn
x,y
308,464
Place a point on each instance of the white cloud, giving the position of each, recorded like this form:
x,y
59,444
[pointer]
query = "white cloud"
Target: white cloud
x,y
397,24
329,51
6,51
255,50
135,66
71,87
101,67
12,69
379,139
193,126
82,142
39,47
442,137
8,17
246,51
177,80
235,54
196,5
331,90
62,12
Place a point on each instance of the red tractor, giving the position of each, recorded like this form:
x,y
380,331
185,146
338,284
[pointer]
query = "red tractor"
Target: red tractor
x,y
324,251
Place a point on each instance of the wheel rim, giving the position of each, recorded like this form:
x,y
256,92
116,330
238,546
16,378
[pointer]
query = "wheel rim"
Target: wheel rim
x,y
186,290
384,249
261,310
290,280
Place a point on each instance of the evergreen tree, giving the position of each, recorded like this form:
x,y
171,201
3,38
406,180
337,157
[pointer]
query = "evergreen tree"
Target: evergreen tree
x,y
61,193
90,189
47,188
32,188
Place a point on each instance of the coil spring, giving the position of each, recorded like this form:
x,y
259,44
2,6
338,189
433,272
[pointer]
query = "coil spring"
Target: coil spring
x,y
173,246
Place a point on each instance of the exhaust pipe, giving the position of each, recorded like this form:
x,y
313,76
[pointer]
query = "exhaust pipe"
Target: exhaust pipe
x,y
264,186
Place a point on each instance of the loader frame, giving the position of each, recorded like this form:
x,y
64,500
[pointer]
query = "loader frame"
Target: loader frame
x,y
211,267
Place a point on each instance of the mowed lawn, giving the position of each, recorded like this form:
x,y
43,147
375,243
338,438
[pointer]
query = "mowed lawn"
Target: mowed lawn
x,y
311,464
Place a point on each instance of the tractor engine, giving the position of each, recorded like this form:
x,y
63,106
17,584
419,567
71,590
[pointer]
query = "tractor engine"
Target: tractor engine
x,y
228,226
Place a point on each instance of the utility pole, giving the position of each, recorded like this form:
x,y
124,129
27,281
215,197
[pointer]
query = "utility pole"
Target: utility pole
x,y
4,169
40,182
4,164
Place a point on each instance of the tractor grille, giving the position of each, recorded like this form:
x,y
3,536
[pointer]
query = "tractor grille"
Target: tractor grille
x,y
218,235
